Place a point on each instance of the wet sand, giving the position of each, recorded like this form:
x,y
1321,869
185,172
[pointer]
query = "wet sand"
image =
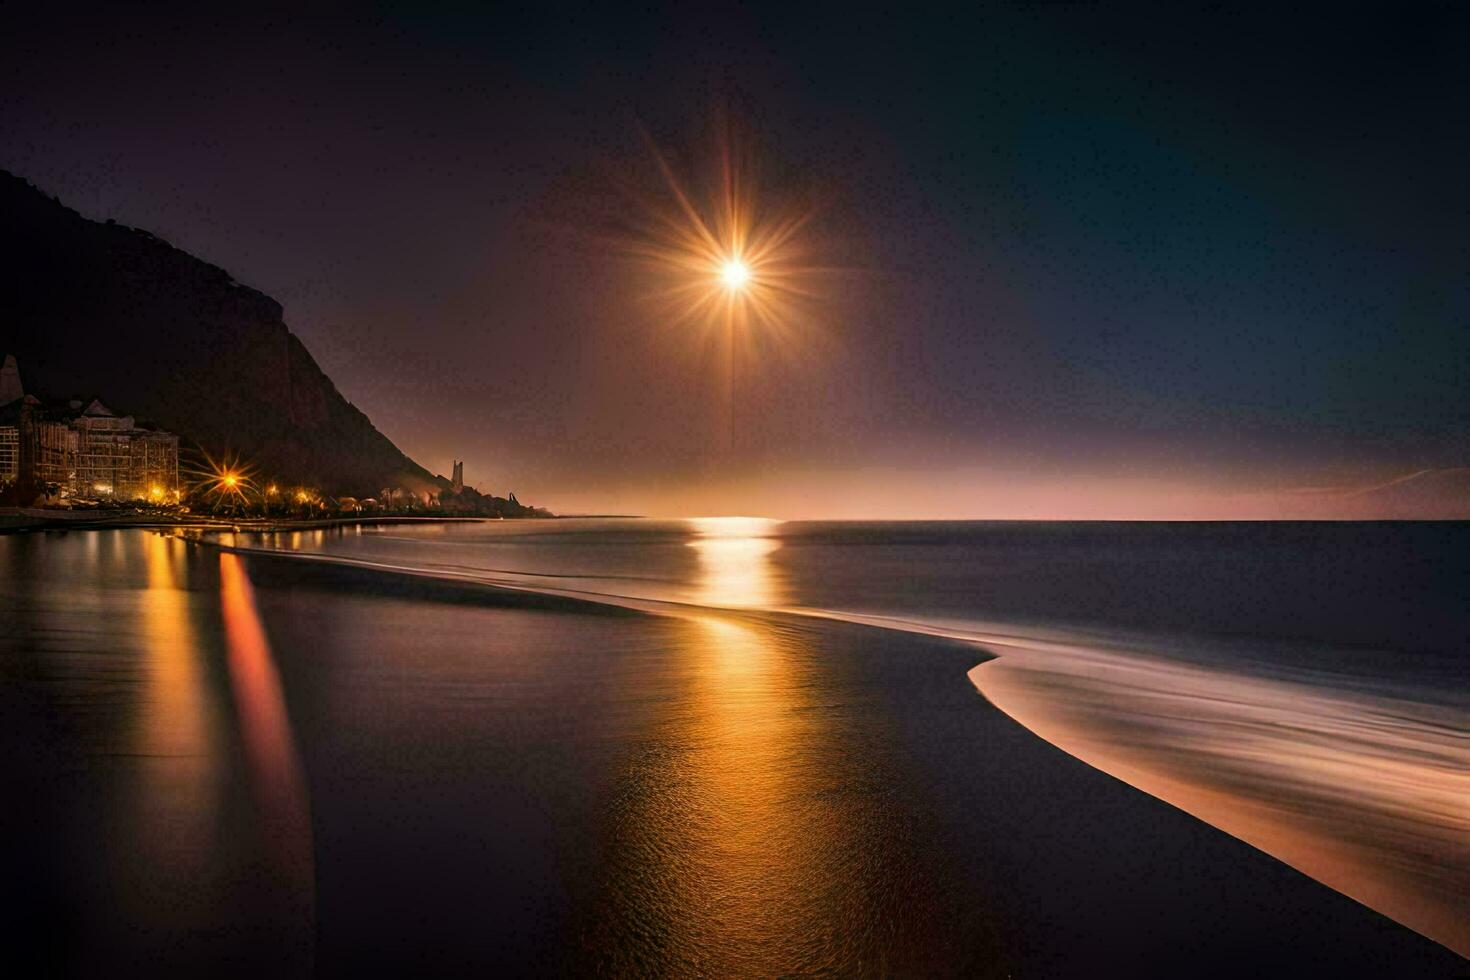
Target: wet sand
x,y
237,765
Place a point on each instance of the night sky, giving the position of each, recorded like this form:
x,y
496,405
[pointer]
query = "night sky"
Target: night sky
x,y
1083,263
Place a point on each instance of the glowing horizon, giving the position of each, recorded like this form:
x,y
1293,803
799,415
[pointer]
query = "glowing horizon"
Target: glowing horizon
x,y
974,493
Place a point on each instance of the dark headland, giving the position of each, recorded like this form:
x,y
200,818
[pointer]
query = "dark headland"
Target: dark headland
x,y
99,310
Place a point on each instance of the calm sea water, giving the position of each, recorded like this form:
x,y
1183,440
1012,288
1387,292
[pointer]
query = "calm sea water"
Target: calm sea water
x,y
248,764
1303,686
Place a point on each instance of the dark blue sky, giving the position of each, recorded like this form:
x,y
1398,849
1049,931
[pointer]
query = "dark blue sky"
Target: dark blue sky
x,y
1204,257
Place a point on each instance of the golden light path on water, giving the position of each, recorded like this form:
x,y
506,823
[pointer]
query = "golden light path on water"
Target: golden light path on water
x,y
735,567
178,735
180,723
733,837
265,732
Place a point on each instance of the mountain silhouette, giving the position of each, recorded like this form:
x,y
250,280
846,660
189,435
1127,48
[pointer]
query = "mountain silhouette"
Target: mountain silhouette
x,y
98,310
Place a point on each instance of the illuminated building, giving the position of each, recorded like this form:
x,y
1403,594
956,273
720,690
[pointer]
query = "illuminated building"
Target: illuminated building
x,y
83,452
9,453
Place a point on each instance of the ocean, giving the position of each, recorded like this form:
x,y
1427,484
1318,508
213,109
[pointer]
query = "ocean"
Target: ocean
x,y
788,767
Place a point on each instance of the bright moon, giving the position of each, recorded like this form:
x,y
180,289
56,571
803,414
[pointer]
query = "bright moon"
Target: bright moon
x,y
735,274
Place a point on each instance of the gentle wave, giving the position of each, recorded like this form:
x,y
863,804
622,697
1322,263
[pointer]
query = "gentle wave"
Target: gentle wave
x,y
1364,791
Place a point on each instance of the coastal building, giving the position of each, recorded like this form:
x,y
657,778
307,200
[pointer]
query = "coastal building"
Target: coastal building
x,y
112,457
103,455
56,452
78,451
9,453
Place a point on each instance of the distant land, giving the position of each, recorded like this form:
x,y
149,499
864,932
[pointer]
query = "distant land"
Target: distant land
x,y
99,310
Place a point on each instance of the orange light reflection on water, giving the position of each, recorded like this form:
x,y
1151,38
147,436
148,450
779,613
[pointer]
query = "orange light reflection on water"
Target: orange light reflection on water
x,y
735,567
177,735
730,834
265,731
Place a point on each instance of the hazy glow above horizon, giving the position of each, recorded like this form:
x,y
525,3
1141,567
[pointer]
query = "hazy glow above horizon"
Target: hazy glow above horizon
x,y
970,493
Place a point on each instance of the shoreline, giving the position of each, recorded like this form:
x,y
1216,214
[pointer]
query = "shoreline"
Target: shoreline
x,y
22,520
1301,855
1279,823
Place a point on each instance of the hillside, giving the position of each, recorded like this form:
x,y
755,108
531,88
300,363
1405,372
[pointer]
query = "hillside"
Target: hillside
x,y
96,309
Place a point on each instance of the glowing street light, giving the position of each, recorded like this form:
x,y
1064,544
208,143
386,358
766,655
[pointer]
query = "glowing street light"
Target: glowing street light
x,y
228,482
